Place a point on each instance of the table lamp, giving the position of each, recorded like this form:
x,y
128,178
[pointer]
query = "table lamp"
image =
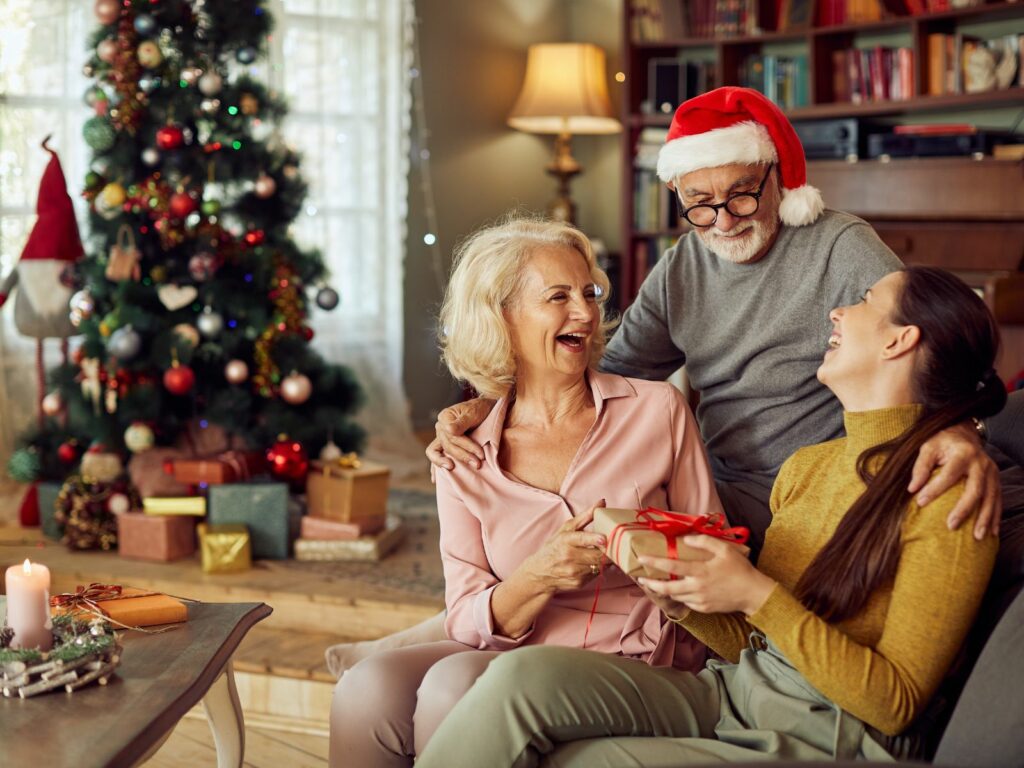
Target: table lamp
x,y
564,93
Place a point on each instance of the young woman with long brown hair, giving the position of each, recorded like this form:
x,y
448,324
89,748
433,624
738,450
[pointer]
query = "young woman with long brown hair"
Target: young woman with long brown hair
x,y
835,643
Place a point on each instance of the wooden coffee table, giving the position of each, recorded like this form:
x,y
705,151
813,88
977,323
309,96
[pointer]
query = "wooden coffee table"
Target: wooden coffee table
x,y
161,677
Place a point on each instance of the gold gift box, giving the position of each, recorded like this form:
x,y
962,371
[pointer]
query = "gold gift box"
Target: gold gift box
x,y
625,548
224,548
175,505
336,490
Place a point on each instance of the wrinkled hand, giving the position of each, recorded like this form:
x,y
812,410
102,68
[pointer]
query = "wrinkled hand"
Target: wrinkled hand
x,y
570,558
724,584
450,429
957,454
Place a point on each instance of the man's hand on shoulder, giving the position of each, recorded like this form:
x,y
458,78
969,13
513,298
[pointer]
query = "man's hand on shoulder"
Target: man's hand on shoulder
x,y
957,454
451,443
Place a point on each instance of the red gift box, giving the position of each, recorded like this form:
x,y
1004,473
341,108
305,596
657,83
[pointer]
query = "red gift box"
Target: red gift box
x,y
227,467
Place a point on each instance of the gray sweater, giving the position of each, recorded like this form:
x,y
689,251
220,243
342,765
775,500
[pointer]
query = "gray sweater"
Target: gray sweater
x,y
752,337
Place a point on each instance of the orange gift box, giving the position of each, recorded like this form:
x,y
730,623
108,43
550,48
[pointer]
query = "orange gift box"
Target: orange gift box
x,y
133,608
349,494
227,467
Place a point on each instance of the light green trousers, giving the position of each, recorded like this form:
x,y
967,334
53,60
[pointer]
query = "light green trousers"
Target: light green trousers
x,y
565,707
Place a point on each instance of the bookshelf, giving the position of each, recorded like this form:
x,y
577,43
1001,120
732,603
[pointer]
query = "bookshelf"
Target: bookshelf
x,y
820,48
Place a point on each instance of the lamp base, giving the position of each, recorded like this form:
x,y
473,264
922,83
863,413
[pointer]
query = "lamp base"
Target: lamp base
x,y
563,167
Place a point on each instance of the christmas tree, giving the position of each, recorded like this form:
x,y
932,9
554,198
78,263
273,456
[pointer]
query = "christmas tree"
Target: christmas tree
x,y
192,297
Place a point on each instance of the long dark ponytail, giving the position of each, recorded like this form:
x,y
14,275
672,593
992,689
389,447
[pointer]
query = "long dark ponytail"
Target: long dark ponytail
x,y
954,382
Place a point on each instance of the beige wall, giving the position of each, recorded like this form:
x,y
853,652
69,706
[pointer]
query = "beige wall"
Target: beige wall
x,y
473,56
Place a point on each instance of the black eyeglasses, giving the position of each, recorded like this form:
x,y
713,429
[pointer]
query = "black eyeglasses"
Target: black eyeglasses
x,y
742,205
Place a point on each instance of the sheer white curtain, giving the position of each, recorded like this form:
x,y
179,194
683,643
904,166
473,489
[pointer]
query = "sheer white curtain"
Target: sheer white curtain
x,y
343,66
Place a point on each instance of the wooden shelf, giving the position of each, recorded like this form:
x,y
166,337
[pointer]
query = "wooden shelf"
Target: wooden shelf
x,y
1004,97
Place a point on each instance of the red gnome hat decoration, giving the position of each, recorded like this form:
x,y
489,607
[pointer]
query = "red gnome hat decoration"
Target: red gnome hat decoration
x,y
55,235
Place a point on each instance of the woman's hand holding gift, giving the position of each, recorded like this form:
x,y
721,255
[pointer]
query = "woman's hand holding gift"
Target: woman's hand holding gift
x,y
726,583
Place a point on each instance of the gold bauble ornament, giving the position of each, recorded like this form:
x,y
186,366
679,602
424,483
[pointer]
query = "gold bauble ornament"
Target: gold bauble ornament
x,y
53,404
236,371
296,388
149,54
249,104
113,195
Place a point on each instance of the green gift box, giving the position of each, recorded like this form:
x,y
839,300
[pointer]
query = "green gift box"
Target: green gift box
x,y
264,508
48,510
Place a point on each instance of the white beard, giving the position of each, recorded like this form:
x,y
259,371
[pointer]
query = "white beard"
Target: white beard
x,y
739,250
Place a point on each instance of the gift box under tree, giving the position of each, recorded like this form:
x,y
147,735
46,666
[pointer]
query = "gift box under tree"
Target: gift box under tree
x,y
349,490
161,538
264,508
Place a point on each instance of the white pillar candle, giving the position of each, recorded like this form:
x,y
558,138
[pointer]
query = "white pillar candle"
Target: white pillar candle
x,y
28,605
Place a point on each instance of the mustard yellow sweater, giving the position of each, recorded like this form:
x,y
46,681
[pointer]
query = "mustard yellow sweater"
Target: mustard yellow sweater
x,y
883,664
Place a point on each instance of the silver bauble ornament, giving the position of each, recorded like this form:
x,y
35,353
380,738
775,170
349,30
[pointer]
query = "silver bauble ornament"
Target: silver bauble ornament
x,y
82,305
149,83
150,156
53,404
246,55
145,24
265,186
124,343
210,84
296,388
138,437
236,371
118,503
210,323
106,50
330,452
327,298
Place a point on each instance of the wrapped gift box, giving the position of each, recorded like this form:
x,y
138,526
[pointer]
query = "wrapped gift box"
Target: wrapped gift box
x,y
264,509
192,506
348,494
629,538
136,608
374,547
48,510
155,537
224,548
227,467
325,529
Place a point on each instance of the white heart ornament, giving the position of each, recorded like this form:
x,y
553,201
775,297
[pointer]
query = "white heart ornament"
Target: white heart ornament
x,y
176,296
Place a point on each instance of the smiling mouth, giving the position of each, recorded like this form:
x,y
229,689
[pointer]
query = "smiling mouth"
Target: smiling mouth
x,y
834,341
573,341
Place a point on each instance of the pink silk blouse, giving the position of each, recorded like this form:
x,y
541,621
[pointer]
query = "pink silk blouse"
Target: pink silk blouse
x,y
644,449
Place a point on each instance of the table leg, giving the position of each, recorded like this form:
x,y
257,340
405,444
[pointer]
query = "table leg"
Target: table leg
x,y
224,713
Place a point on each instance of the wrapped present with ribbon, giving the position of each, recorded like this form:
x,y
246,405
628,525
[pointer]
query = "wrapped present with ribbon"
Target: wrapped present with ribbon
x,y
161,538
124,607
224,548
226,467
658,533
349,490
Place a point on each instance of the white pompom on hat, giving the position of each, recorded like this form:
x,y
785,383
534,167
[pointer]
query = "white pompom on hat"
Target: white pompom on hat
x,y
739,125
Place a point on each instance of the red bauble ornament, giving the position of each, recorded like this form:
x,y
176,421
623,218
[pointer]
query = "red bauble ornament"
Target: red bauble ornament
x,y
255,236
170,137
182,204
67,452
307,333
179,379
288,460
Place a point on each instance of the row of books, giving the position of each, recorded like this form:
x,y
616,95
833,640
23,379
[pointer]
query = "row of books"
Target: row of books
x,y
959,63
783,79
873,74
659,20
654,205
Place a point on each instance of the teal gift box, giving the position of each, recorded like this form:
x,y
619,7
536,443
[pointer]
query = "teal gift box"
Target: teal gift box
x,y
48,510
264,508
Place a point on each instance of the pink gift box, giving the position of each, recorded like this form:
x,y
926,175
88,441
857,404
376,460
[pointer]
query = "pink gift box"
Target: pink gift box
x,y
155,537
322,529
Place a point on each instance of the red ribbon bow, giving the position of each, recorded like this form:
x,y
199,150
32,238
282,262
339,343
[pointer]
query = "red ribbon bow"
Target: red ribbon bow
x,y
88,597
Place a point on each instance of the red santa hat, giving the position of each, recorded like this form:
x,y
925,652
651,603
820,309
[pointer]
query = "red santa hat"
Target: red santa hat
x,y
55,234
739,125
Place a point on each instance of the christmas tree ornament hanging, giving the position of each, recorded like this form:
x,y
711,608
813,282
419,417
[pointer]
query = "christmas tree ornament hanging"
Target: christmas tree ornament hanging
x,y
210,207
288,460
150,156
149,83
210,84
170,137
187,333
202,266
106,50
174,297
82,307
255,237
182,204
107,11
290,171
98,133
210,322
145,24
113,195
265,186
248,104
70,277
67,452
138,437
296,388
149,55
246,55
209,106
124,343
330,452
236,371
118,503
179,379
190,75
53,404
327,298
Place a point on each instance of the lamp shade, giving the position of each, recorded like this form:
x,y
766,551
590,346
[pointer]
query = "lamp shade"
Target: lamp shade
x,y
564,91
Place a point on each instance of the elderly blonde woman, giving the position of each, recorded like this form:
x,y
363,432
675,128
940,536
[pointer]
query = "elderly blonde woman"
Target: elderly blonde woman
x,y
524,323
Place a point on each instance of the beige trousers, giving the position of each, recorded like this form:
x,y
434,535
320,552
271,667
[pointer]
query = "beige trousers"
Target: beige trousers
x,y
387,706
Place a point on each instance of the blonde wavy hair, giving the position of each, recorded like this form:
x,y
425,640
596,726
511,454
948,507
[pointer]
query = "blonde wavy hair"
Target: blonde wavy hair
x,y
486,277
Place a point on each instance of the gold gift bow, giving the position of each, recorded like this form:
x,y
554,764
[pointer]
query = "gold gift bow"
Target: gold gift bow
x,y
345,461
